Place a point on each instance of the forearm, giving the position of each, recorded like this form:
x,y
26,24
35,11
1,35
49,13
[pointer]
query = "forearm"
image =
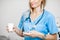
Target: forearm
x,y
51,37
19,32
48,37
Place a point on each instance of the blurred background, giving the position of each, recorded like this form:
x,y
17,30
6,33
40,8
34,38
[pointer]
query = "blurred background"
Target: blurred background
x,y
11,11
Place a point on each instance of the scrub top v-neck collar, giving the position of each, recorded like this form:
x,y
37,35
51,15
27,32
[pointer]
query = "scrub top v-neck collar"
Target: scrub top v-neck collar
x,y
36,19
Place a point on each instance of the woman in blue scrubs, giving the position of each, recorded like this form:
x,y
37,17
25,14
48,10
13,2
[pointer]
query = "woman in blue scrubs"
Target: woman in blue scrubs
x,y
37,23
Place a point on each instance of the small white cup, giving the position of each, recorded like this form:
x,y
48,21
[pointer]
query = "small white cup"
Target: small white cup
x,y
10,26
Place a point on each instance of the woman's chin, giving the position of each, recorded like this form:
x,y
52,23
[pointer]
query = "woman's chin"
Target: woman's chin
x,y
33,7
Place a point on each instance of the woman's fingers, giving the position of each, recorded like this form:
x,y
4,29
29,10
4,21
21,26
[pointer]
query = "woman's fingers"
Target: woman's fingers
x,y
26,34
7,29
33,34
14,29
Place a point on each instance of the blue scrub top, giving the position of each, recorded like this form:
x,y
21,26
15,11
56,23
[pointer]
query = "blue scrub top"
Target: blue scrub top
x,y
45,23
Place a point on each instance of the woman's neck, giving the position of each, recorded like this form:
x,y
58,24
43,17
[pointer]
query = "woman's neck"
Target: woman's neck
x,y
37,10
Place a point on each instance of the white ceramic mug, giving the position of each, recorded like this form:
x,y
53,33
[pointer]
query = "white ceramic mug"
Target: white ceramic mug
x,y
10,26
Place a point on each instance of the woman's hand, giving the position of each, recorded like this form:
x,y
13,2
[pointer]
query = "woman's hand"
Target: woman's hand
x,y
17,31
7,29
13,29
34,34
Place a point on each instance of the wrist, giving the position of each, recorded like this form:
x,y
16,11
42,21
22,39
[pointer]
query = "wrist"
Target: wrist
x,y
42,36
